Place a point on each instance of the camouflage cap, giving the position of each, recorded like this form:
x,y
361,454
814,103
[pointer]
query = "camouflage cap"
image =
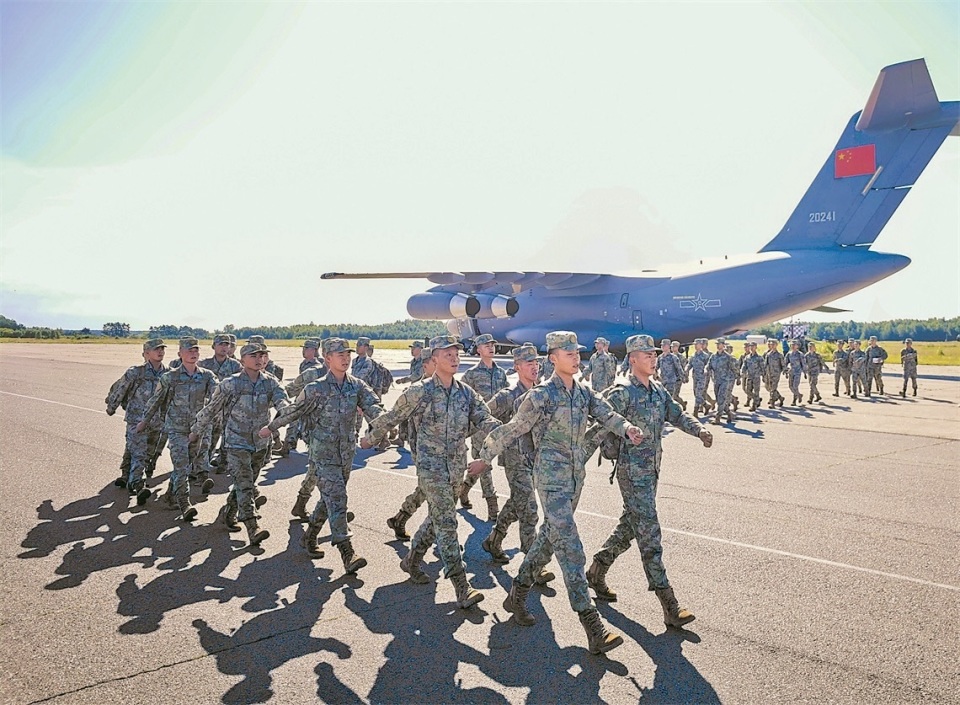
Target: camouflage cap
x,y
416,344
221,338
721,341
525,353
251,348
908,340
335,345
640,343
851,340
445,341
873,338
795,342
363,340
311,343
233,339
153,344
601,341
563,340
665,341
426,354
189,342
771,340
257,339
483,339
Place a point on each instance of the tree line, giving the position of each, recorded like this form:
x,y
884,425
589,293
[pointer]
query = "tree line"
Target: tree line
x,y
9,328
929,329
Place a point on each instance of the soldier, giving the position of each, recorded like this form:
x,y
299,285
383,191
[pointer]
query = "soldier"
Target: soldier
x,y
556,414
684,365
487,378
773,365
702,402
243,400
132,392
752,370
734,399
841,369
271,367
178,397
794,369
517,462
416,374
546,366
329,409
444,410
814,364
310,361
412,501
601,370
858,360
222,365
722,366
645,403
909,358
362,365
670,371
232,350
876,356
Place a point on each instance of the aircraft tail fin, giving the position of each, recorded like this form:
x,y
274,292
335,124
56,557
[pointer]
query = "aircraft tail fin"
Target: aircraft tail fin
x,y
879,157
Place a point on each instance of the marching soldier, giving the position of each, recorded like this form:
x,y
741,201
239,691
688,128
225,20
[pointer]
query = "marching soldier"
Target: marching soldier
x,y
841,369
310,361
556,413
909,358
773,365
813,361
601,370
858,360
722,366
752,371
794,363
701,378
876,356
222,364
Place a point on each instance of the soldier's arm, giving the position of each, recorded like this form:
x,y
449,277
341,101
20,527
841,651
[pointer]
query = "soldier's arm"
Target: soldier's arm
x,y
118,390
368,402
618,396
278,397
681,419
402,409
530,411
291,412
604,414
294,388
480,417
211,411
157,399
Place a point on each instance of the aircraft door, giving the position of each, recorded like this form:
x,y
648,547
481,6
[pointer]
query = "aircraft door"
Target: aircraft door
x,y
637,320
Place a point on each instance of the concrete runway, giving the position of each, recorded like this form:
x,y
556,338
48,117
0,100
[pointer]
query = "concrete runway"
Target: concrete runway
x,y
818,548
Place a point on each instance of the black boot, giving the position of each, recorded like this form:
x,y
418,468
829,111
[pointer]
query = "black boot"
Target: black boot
x,y
399,525
351,561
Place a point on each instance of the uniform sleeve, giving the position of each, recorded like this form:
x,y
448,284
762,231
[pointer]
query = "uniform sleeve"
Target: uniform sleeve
x,y
278,397
291,412
402,409
208,413
501,404
368,402
118,390
603,412
157,398
618,397
529,413
480,417
680,418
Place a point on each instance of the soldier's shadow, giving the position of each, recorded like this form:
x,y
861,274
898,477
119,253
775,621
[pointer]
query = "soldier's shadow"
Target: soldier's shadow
x,y
676,679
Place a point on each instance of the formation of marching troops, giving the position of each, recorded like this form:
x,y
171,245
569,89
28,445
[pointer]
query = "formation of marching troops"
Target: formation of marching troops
x,y
215,415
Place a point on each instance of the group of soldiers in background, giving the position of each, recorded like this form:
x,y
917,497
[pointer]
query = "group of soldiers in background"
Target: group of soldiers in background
x,y
543,427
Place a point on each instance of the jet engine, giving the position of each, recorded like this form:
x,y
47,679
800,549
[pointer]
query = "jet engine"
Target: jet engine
x,y
496,306
433,305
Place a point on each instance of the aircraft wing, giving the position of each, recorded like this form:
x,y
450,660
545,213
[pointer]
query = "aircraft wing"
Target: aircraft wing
x,y
473,282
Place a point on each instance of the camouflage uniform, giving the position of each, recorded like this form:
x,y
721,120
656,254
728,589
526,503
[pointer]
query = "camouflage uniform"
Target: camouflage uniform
x,y
179,397
858,364
637,471
908,358
293,389
443,419
773,365
412,502
814,364
557,421
134,390
752,370
795,367
876,356
841,370
601,369
517,463
244,405
670,370
294,431
722,366
486,381
701,378
546,368
328,410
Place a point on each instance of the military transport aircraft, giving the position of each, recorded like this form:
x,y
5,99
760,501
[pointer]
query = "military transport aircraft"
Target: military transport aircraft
x,y
821,254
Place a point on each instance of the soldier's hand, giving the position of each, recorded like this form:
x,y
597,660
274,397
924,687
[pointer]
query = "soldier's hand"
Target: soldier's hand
x,y
264,432
193,437
140,426
635,435
706,437
366,443
477,468
111,412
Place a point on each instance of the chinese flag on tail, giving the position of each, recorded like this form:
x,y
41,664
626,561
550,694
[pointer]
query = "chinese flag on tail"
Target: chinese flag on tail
x,y
855,161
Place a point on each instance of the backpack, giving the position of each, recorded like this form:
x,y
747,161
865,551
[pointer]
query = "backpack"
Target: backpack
x,y
381,379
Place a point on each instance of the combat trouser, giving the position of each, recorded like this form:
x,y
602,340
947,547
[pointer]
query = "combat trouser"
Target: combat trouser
x,y
441,490
244,467
794,381
724,392
332,480
521,506
558,534
751,386
413,501
773,384
310,480
839,374
638,522
141,447
874,377
910,375
812,377
700,395
189,460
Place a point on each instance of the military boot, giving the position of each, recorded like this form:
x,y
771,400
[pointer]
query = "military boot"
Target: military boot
x,y
736,403
493,508
259,500
187,511
903,393
914,392
399,525
228,515
466,595
696,409
351,561
142,493
300,508
206,484
255,533
810,400
412,565
599,638
673,614
121,482
464,495
597,579
819,398
491,545
730,415
516,602
543,577
309,541
283,451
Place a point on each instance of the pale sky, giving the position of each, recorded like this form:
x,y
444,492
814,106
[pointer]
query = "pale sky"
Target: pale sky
x,y
203,164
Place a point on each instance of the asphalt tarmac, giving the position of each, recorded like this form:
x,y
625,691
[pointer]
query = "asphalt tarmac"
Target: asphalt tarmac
x,y
818,548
